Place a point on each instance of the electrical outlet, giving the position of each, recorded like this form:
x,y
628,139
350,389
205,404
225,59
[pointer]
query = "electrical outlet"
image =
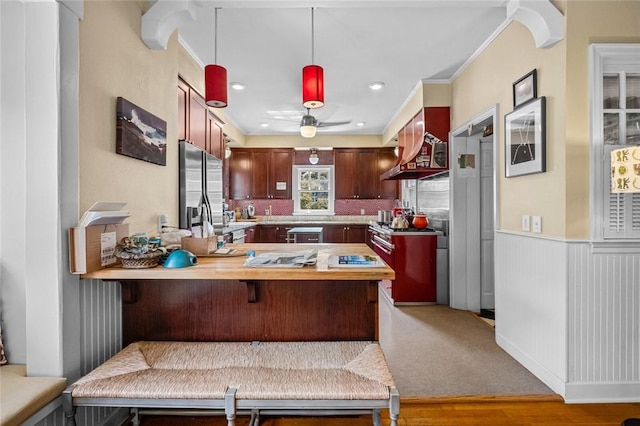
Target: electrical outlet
x,y
537,224
361,211
163,219
526,226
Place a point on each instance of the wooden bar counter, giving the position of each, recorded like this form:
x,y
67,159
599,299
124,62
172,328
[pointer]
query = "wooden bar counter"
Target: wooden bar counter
x,y
220,299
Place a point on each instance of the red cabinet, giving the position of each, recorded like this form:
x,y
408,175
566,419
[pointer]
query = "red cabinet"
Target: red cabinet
x,y
197,123
260,173
358,171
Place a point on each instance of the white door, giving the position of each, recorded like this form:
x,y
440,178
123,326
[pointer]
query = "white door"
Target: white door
x,y
472,214
487,225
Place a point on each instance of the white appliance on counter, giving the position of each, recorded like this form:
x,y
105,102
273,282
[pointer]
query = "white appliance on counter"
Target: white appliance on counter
x,y
200,187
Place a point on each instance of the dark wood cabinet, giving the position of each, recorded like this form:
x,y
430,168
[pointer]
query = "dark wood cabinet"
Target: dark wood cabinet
x,y
345,233
240,174
272,233
344,161
358,171
197,123
387,189
342,233
260,173
250,234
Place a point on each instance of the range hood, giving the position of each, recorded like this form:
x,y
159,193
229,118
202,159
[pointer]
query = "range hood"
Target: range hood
x,y
415,160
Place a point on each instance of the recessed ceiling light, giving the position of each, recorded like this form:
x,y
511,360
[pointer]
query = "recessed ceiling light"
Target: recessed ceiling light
x,y
237,86
376,85
360,124
264,124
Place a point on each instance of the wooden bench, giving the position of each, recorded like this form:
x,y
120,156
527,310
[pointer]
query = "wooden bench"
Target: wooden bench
x,y
237,378
27,400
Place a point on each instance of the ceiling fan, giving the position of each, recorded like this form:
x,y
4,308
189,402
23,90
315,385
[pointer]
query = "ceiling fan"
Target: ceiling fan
x,y
309,124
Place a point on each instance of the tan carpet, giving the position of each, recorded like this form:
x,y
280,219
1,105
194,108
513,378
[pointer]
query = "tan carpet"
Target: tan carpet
x,y
439,351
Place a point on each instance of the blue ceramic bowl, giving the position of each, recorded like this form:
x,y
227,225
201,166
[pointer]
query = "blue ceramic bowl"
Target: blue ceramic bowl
x,y
180,259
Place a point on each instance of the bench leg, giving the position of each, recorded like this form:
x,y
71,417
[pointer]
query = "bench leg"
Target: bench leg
x,y
230,406
68,408
135,416
255,418
376,418
394,406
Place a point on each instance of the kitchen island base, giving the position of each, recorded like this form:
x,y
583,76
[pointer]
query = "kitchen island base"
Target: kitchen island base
x,y
241,378
233,310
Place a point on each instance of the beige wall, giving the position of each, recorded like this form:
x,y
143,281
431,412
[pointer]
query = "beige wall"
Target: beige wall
x,y
487,81
344,141
115,62
589,22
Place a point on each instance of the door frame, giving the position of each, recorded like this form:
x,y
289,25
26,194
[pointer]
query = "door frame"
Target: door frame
x,y
464,290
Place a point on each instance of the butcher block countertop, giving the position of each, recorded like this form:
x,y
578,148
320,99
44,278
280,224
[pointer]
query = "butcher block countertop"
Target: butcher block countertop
x,y
232,267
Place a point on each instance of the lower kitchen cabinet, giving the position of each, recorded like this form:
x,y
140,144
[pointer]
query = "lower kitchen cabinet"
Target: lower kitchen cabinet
x,y
272,233
345,233
250,234
356,233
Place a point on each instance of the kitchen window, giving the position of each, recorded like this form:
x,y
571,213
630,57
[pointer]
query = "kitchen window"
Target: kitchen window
x,y
615,116
313,190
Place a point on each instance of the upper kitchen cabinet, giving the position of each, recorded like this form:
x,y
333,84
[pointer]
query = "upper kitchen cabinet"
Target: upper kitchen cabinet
x,y
358,170
262,173
437,121
197,123
387,189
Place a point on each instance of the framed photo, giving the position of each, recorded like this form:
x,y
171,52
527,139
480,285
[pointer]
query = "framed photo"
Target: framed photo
x,y
525,139
140,134
525,89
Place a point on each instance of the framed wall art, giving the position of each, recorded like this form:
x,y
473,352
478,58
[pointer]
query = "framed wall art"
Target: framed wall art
x,y
525,89
140,134
525,139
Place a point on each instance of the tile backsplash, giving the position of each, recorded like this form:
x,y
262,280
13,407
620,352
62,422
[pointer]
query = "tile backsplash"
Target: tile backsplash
x,y
342,207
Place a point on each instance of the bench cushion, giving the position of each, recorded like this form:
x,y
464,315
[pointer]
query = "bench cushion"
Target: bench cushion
x,y
265,370
22,396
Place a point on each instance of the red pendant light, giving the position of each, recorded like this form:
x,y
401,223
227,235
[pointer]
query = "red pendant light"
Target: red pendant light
x,y
312,79
215,77
312,86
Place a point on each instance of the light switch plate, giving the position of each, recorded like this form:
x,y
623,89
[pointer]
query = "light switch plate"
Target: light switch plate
x,y
537,224
525,223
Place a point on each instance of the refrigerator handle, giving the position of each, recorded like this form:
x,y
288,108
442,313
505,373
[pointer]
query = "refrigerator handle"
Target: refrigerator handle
x,y
191,213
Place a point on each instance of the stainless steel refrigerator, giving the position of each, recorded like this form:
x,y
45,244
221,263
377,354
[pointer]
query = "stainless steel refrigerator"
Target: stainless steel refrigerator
x,y
200,188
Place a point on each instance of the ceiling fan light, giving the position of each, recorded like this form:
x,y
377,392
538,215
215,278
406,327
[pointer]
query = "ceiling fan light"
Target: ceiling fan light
x,y
308,131
215,86
312,86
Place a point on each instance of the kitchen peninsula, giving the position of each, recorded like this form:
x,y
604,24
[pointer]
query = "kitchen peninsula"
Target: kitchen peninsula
x,y
220,299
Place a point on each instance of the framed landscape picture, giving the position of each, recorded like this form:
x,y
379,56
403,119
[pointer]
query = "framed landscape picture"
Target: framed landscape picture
x,y
525,89
525,139
140,134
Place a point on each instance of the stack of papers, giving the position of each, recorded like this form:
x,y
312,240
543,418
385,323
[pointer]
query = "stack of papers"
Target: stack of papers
x,y
355,261
295,259
102,213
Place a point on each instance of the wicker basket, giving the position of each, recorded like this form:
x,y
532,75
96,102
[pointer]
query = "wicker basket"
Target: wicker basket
x,y
149,262
138,260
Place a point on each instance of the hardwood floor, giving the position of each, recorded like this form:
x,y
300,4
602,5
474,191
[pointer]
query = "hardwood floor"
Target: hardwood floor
x,y
523,411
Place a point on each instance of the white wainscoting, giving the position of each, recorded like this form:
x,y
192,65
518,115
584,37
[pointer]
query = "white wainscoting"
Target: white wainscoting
x,y
604,318
571,315
531,304
101,338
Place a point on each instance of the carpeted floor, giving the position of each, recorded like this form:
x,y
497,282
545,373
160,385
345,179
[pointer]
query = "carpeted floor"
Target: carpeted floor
x,y
439,351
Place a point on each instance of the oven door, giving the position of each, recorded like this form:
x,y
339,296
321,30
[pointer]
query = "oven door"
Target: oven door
x,y
383,248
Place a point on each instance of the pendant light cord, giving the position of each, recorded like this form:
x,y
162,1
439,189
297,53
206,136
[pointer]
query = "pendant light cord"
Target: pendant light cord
x,y
215,38
312,37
